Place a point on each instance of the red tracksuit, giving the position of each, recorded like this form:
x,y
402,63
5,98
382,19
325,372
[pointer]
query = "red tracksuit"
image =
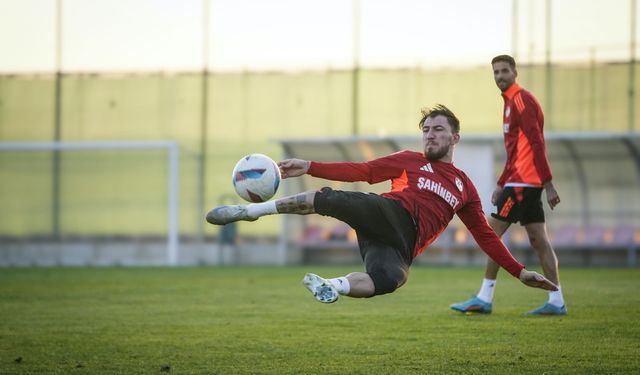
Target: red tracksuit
x,y
523,123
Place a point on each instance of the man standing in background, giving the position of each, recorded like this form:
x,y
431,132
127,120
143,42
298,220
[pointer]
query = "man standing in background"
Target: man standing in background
x,y
518,193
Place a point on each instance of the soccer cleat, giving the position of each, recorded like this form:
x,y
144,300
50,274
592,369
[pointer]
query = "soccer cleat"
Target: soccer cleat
x,y
549,309
228,214
473,305
322,289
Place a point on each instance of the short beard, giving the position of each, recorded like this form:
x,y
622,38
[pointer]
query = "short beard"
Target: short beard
x,y
437,155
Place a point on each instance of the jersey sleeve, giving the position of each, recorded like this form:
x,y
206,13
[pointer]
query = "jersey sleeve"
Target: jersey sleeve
x,y
346,172
533,132
474,219
373,171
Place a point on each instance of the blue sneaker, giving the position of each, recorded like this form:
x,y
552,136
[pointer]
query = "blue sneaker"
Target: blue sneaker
x,y
549,309
473,305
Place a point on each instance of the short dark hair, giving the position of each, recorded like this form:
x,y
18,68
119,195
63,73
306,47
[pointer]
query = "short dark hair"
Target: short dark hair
x,y
440,110
506,58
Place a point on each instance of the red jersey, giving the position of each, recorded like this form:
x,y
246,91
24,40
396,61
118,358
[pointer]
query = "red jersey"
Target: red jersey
x,y
523,123
432,192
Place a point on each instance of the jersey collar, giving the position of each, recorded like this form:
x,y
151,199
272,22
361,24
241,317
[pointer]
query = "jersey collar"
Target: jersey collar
x,y
511,91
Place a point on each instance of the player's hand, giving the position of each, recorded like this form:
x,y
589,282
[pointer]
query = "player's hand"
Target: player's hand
x,y
536,280
552,195
293,167
496,194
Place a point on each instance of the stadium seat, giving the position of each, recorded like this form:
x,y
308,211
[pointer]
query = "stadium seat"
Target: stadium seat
x,y
566,236
463,239
312,234
622,235
625,236
592,236
340,232
445,239
516,238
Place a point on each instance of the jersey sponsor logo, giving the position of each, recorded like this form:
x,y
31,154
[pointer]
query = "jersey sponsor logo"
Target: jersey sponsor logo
x,y
436,187
459,184
505,128
427,168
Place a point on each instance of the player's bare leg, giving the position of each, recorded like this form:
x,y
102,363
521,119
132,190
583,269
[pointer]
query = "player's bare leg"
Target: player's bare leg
x,y
361,285
301,204
539,240
500,227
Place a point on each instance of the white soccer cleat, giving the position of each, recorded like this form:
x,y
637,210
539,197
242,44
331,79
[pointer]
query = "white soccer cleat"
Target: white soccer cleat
x,y
321,288
228,214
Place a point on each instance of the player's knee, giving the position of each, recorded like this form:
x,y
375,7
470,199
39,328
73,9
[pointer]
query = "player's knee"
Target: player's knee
x,y
539,242
387,280
324,200
325,193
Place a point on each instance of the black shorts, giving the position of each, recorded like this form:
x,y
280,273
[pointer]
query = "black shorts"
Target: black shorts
x,y
523,204
386,232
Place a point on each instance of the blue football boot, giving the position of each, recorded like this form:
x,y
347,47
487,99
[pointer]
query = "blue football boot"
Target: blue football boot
x,y
321,288
549,309
473,305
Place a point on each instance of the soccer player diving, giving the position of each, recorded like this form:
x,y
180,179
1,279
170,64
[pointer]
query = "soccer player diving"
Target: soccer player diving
x,y
393,228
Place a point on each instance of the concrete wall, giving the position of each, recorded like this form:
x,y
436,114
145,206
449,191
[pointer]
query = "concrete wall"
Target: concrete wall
x,y
124,252
266,252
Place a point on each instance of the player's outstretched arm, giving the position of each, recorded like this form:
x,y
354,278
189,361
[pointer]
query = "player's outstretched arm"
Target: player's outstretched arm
x,y
536,280
293,167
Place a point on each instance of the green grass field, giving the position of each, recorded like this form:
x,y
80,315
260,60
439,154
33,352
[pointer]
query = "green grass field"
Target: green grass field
x,y
262,321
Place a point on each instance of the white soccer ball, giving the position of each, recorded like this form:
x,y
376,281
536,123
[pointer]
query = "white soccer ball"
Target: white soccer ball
x,y
256,178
